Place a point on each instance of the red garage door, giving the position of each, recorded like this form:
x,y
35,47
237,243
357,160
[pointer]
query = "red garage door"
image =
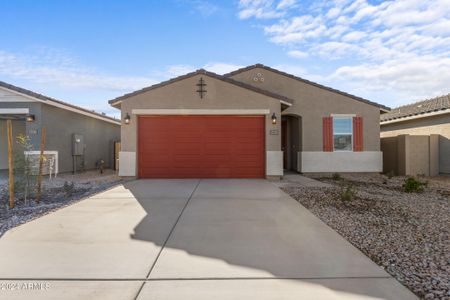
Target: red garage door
x,y
201,146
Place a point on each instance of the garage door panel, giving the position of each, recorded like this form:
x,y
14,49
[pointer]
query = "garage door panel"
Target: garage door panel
x,y
201,146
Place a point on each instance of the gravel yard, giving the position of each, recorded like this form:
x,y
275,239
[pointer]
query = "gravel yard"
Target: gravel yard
x,y
57,192
405,233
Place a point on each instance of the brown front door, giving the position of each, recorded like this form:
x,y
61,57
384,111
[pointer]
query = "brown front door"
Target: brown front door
x,y
284,142
201,146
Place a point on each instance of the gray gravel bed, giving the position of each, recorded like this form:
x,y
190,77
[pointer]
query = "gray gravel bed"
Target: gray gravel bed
x,y
405,233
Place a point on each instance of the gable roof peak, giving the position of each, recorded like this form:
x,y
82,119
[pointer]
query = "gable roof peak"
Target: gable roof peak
x,y
258,65
285,99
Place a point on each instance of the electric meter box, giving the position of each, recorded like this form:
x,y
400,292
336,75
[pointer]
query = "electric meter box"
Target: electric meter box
x,y
77,144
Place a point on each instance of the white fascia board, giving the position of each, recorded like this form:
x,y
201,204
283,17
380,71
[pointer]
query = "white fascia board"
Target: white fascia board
x,y
343,115
62,106
285,103
425,115
200,111
14,111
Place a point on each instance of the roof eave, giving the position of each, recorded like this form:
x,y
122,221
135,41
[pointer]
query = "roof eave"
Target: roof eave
x,y
244,69
414,117
118,100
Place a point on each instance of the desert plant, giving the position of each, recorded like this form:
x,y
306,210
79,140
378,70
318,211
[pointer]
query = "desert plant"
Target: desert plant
x,y
24,177
68,188
336,176
413,185
347,194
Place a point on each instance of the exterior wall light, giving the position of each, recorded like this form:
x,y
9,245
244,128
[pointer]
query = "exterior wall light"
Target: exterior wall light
x,y
30,118
274,119
127,119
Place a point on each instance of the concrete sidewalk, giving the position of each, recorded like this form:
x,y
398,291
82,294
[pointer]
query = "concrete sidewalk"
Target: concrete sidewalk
x,y
188,239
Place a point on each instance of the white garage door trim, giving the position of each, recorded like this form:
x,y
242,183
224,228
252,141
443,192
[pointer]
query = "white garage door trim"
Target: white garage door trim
x,y
200,111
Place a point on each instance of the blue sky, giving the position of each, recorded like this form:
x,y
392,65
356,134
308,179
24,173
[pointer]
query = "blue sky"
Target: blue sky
x,y
87,52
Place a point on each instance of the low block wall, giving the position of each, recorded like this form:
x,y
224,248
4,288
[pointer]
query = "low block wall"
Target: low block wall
x,y
411,154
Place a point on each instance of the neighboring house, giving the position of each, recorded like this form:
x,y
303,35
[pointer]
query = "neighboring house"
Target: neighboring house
x,y
253,122
416,138
30,112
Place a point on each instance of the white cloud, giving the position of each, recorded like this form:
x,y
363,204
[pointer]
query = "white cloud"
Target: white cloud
x,y
176,70
264,9
221,68
48,66
416,78
68,79
398,46
297,54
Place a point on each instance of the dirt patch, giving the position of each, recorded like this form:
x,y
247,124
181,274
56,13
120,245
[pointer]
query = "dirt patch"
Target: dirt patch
x,y
57,192
405,233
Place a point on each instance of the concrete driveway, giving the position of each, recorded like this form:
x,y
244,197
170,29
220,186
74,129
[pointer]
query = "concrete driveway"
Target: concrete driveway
x,y
187,239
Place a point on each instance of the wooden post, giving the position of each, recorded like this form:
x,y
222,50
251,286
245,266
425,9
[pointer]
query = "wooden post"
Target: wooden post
x,y
41,162
10,163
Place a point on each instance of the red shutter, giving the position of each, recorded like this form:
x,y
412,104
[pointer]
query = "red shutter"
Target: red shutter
x,y
357,134
328,134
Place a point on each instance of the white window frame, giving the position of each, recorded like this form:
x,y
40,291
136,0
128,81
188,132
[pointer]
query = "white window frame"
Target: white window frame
x,y
341,116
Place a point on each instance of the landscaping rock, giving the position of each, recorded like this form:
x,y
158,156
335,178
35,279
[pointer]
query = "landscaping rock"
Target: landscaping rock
x,y
57,192
405,233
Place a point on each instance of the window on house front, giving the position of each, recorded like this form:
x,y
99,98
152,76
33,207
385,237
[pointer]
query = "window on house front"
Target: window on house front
x,y
342,133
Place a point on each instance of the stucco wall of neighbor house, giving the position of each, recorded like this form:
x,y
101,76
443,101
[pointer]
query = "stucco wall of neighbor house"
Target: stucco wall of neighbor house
x,y
99,136
439,125
18,128
312,103
220,96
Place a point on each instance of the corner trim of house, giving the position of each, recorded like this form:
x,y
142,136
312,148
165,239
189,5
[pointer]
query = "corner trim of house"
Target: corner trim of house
x,y
317,161
200,111
274,163
127,163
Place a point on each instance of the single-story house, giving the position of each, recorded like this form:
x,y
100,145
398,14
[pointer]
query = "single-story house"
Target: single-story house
x,y
415,138
74,135
253,122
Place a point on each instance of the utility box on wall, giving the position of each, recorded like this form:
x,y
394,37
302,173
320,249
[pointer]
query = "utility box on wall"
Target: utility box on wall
x,y
77,144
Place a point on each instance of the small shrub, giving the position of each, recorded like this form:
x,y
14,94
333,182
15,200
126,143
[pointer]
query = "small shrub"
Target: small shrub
x,y
347,194
336,176
412,185
68,188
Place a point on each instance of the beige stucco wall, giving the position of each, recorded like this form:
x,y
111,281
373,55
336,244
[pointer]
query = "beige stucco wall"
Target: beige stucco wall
x,y
313,103
439,125
220,96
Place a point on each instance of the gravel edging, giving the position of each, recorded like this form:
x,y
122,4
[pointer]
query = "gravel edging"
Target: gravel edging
x,y
54,198
405,233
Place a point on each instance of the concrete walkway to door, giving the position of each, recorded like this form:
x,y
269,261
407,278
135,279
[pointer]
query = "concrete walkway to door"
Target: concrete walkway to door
x,y
188,239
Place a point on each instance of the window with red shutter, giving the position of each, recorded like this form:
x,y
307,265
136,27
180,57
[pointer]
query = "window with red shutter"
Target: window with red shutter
x,y
342,133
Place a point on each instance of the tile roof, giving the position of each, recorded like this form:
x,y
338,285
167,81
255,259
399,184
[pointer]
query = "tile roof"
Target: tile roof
x,y
207,73
45,98
418,108
307,82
